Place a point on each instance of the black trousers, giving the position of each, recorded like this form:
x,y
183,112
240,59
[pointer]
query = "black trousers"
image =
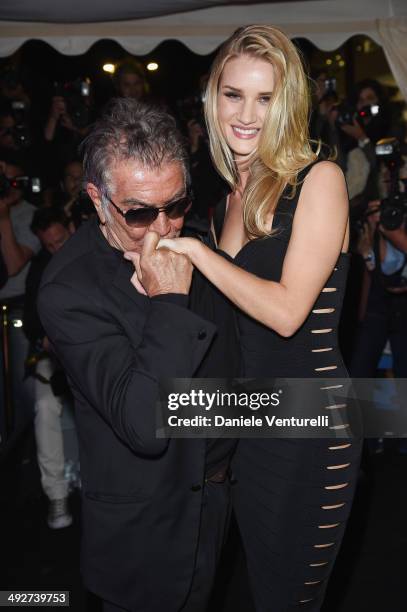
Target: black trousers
x,y
214,525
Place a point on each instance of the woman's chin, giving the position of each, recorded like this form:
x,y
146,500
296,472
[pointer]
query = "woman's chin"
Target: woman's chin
x,y
242,150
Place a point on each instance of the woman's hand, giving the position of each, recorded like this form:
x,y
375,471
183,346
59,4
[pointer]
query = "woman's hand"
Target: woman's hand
x,y
184,246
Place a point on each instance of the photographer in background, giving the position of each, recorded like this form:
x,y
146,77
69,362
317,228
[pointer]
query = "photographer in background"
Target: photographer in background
x,y
12,87
14,131
70,198
322,123
371,122
15,93
50,225
17,246
17,242
7,127
72,183
383,308
71,114
69,187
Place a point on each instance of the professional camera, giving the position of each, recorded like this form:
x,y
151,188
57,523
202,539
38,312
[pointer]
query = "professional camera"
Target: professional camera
x,y
393,208
347,114
31,184
76,93
330,85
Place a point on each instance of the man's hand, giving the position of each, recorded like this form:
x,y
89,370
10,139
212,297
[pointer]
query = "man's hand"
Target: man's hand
x,y
135,258
4,209
67,122
366,237
46,345
364,244
160,271
58,108
354,131
397,290
373,218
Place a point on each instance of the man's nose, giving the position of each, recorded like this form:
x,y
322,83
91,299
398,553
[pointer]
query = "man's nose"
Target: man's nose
x,y
161,225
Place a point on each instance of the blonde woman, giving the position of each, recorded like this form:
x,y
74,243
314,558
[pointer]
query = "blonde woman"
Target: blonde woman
x,y
282,236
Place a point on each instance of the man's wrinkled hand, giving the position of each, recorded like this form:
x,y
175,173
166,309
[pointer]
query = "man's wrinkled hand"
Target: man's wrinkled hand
x,y
161,271
136,278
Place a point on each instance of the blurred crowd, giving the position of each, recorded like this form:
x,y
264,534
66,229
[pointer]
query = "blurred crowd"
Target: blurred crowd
x,y
42,203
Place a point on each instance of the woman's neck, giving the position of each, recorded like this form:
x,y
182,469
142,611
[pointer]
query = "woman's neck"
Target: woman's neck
x,y
243,178
243,169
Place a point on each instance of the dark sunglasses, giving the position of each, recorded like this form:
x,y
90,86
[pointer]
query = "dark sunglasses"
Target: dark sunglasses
x,y
146,215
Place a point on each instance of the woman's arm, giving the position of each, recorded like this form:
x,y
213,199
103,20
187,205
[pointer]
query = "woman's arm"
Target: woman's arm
x,y
318,234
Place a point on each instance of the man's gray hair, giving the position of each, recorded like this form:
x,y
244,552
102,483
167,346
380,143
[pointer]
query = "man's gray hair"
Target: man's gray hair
x,y
129,129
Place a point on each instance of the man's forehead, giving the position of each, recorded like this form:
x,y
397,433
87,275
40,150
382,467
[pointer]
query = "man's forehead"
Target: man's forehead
x,y
141,174
54,228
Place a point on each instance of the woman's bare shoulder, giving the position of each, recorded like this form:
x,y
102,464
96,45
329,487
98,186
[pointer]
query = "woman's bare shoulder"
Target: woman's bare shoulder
x,y
325,170
324,186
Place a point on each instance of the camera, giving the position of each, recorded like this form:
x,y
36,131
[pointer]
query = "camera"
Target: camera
x,y
76,93
20,132
393,208
347,114
330,85
19,182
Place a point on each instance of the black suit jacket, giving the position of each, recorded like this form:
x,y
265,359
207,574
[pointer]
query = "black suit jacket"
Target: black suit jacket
x,y
141,495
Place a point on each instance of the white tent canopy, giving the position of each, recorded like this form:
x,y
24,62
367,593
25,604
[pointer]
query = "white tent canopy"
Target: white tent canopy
x,y
140,25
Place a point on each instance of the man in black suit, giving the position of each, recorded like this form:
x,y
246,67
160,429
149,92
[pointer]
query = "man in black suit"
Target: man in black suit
x,y
153,517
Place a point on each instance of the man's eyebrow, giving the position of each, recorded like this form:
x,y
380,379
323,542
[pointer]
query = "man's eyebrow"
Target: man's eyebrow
x,y
135,202
237,90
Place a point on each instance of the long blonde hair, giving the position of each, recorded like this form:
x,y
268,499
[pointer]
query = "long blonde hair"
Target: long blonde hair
x,y
284,148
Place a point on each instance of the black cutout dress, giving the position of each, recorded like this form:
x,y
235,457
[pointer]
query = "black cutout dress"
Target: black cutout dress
x,y
291,499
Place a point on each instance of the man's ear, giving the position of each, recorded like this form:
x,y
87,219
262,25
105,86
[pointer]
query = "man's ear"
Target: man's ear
x,y
93,193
